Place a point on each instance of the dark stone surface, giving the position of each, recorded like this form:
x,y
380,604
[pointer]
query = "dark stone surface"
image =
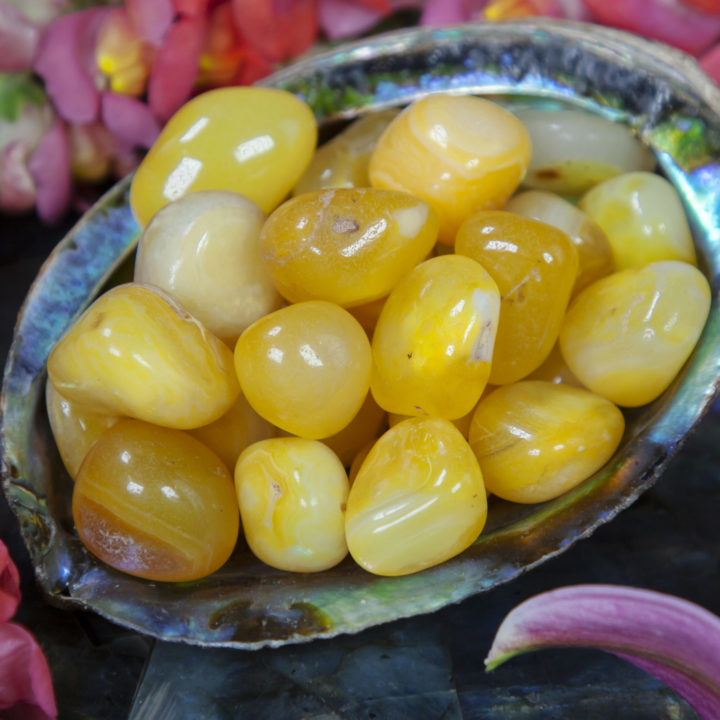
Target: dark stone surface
x,y
427,667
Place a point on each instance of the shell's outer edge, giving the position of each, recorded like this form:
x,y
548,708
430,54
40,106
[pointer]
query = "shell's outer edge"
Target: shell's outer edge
x,y
249,606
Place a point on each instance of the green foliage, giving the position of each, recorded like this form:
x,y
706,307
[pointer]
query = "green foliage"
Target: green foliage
x,y
16,89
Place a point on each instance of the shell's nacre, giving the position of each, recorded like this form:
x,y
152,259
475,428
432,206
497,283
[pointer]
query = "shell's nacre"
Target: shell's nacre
x,y
657,92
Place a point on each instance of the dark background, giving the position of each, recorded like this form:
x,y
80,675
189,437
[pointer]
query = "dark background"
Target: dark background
x,y
429,667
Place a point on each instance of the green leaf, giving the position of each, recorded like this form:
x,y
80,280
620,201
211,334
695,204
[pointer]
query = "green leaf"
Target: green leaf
x,y
16,89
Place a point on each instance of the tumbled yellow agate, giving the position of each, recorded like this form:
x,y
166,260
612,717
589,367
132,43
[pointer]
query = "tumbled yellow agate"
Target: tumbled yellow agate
x,y
595,256
434,339
367,426
251,140
292,494
627,336
230,434
156,503
305,368
643,217
348,246
460,153
136,352
418,499
574,150
204,251
74,427
535,440
534,265
342,162
555,370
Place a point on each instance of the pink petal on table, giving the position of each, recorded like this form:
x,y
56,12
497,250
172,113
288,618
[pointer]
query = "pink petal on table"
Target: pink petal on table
x,y
129,119
664,20
698,696
151,18
9,581
62,62
675,639
444,12
17,194
24,673
173,73
277,29
18,39
50,168
710,63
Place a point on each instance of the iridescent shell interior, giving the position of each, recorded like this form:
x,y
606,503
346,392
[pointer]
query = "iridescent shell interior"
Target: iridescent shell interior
x,y
660,93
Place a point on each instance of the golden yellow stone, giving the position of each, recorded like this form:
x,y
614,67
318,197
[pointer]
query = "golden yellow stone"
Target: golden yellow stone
x,y
535,440
136,352
595,256
366,427
292,494
155,503
534,266
230,434
417,500
305,368
348,246
627,336
251,140
434,340
342,162
643,218
74,427
460,153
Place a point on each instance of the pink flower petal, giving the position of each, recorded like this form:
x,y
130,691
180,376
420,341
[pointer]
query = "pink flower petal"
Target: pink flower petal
x,y
344,18
575,10
190,7
50,168
9,585
710,63
18,39
24,673
277,29
710,6
695,692
151,18
443,12
62,62
129,119
17,194
175,67
664,20
674,639
254,67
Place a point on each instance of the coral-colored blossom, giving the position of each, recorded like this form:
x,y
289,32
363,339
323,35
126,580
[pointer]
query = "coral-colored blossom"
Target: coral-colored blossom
x,y
175,67
277,29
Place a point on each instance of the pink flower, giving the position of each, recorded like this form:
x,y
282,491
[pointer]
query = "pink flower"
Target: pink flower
x,y
21,25
277,29
33,143
670,21
25,681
